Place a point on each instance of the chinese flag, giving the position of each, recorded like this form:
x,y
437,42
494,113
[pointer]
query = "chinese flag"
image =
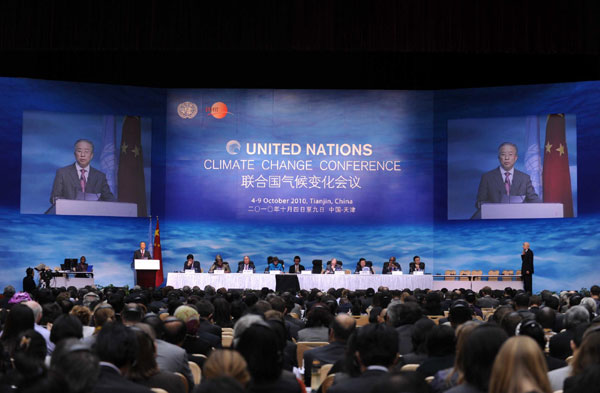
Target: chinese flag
x,y
158,255
556,176
132,185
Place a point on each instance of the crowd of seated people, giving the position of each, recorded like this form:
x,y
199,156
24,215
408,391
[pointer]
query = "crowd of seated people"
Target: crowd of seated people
x,y
119,340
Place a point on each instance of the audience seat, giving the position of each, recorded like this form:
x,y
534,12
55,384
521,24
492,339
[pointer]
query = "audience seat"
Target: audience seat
x,y
449,273
196,372
410,367
327,383
493,273
185,382
302,346
435,318
361,320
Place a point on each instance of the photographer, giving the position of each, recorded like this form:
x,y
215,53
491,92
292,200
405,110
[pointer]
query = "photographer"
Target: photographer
x,y
45,275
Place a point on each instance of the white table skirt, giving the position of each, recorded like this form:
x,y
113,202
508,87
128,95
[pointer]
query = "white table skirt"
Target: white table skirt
x,y
307,281
77,282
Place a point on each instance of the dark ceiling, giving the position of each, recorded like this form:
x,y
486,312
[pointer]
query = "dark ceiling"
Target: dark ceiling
x,y
420,44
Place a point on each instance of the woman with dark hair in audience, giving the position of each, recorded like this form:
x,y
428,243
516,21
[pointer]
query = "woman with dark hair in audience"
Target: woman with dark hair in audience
x,y
477,358
222,314
519,367
265,361
374,314
18,320
28,371
145,370
317,324
450,377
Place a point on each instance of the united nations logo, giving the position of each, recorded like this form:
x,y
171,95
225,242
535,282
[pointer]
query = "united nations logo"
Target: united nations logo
x,y
187,110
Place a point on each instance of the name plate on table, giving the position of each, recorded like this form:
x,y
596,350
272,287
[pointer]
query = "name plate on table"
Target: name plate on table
x,y
340,272
188,271
365,272
247,271
306,272
222,271
419,273
397,273
274,271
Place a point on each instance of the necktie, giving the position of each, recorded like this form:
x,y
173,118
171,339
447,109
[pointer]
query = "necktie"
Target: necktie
x,y
82,180
507,182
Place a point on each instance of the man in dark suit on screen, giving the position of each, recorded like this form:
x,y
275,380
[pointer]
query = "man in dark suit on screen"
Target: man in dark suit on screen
x,y
78,179
505,184
527,267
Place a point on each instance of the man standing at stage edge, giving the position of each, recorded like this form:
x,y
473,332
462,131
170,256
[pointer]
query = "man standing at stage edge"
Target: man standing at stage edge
x,y
527,267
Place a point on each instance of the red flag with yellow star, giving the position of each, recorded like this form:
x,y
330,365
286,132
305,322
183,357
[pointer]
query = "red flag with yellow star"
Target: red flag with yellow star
x,y
132,184
158,255
556,175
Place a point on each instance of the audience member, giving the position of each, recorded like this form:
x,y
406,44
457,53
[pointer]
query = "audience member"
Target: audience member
x,y
317,324
117,350
75,365
265,361
477,358
374,348
519,367
226,363
341,328
19,319
145,370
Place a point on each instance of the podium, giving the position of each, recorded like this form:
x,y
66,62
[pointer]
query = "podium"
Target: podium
x,y
73,207
521,210
145,271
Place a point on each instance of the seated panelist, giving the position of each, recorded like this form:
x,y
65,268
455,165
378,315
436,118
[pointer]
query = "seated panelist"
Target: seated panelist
x,y
361,266
219,264
82,266
333,267
416,265
191,264
296,267
276,264
392,266
245,264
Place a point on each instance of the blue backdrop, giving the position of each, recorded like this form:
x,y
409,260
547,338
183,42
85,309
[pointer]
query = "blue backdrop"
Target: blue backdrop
x,y
402,210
